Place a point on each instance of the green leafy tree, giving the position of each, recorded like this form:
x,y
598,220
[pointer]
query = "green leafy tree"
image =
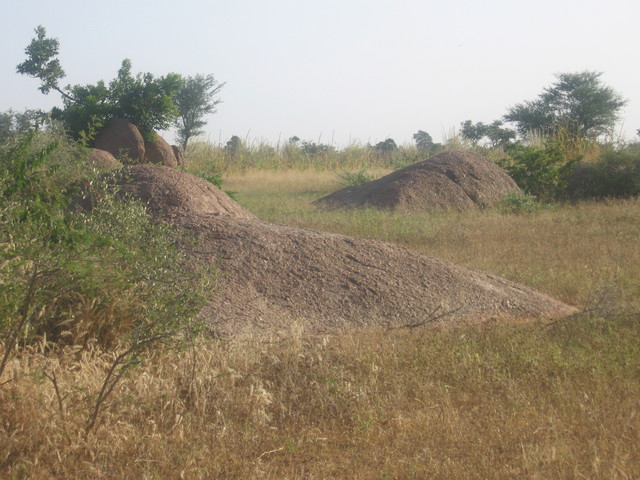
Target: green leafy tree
x,y
579,102
494,133
387,147
196,98
42,62
18,123
144,100
424,142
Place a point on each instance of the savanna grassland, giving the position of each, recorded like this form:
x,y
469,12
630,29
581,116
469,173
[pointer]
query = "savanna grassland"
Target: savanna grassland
x,y
529,400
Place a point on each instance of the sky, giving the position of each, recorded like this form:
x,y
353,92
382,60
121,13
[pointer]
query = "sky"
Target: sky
x,y
336,71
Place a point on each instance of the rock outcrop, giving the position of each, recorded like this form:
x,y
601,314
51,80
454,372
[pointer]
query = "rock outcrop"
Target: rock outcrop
x,y
123,140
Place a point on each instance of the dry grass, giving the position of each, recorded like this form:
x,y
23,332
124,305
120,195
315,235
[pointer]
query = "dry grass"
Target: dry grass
x,y
473,401
531,401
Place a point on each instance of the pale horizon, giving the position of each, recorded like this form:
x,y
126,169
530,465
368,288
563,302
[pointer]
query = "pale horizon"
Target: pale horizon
x,y
341,72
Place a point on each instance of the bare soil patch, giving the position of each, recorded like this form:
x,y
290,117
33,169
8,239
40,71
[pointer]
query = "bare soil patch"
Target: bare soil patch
x,y
453,180
274,275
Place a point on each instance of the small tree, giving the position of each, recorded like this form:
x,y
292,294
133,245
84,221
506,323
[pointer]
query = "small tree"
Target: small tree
x,y
579,102
424,142
196,97
494,133
42,62
144,100
386,148
16,123
234,146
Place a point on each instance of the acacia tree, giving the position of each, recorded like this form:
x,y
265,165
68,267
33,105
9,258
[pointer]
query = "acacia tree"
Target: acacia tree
x,y
579,102
196,97
494,133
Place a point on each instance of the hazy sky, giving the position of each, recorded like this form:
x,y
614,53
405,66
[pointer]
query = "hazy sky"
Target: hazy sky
x,y
336,70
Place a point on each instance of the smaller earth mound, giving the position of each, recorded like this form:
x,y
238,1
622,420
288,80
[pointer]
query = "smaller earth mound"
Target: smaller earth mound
x,y
453,180
171,193
103,160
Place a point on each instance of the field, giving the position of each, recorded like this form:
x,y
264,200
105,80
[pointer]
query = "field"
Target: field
x,y
519,400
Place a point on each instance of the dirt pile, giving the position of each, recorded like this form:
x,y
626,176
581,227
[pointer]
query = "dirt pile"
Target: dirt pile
x,y
449,181
275,275
172,194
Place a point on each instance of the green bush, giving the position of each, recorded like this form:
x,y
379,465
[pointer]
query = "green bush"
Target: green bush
x,y
616,174
354,179
539,171
72,276
514,202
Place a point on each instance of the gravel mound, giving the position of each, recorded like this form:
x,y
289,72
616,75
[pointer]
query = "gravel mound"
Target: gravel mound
x,y
454,180
274,275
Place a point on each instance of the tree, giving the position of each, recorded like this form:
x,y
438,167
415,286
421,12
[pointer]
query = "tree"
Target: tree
x,y
424,142
387,147
540,171
579,102
42,63
16,123
144,100
196,97
234,145
494,133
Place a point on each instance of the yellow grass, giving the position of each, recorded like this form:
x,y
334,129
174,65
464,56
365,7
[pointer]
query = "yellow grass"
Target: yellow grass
x,y
534,401
497,402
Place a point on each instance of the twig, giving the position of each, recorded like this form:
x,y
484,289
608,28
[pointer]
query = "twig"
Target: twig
x,y
270,451
112,378
54,380
433,316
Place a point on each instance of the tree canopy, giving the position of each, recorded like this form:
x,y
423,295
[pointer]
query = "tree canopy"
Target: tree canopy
x,y
495,133
424,141
579,102
196,97
149,102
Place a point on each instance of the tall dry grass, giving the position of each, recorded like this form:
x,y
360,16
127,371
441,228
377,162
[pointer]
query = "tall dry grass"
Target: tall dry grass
x,y
497,401
207,157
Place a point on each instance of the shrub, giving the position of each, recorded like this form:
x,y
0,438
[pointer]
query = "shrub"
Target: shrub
x,y
351,179
616,174
514,202
71,276
539,171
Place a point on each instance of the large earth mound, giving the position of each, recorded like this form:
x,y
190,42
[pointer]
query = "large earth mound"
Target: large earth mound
x,y
453,180
274,275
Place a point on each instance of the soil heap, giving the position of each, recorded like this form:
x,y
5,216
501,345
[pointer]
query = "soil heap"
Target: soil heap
x,y
274,275
453,180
